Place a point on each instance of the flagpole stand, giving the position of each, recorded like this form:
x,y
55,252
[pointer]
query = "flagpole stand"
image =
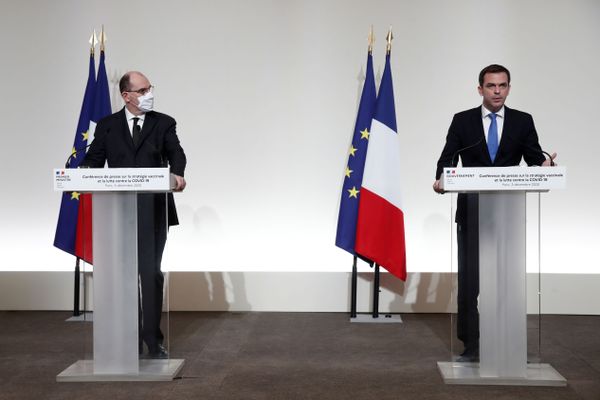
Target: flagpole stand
x,y
353,289
374,317
76,284
79,316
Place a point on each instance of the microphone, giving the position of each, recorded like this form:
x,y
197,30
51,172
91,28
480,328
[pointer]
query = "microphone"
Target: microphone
x,y
457,152
74,153
549,157
536,149
542,150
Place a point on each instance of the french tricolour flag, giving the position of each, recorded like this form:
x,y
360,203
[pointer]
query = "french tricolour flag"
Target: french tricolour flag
x,y
380,226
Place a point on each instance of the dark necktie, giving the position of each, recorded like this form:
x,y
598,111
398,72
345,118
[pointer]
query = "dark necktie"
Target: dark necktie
x,y
493,137
137,132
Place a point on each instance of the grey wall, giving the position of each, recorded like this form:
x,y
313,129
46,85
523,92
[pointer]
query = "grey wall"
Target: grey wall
x,y
265,95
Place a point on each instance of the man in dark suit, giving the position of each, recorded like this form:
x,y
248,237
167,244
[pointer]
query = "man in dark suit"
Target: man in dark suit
x,y
491,135
137,136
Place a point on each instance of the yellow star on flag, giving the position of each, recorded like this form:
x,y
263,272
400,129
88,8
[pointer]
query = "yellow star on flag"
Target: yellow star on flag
x,y
74,153
364,134
74,195
353,192
348,172
352,150
85,135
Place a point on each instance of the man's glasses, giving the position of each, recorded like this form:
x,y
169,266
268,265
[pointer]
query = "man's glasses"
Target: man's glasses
x,y
142,91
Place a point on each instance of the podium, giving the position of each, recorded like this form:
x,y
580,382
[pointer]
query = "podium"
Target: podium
x,y
502,274
115,277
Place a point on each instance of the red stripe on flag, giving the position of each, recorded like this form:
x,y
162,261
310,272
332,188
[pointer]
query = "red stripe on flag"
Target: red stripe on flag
x,y
380,233
83,236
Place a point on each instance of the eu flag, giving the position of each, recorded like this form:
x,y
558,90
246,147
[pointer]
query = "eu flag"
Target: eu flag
x,y
66,228
346,228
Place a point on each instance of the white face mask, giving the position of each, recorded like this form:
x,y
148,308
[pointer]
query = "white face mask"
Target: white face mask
x,y
146,102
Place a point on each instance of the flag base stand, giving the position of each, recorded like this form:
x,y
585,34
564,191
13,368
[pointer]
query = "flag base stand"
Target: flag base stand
x,y
382,319
87,316
459,373
374,317
149,370
78,315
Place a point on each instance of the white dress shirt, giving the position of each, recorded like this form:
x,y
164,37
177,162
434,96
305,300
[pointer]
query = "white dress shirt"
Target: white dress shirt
x,y
487,121
130,118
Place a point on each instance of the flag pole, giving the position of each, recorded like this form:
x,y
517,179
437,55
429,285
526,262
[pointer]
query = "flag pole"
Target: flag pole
x,y
77,280
102,39
353,289
389,39
354,284
76,284
376,285
376,292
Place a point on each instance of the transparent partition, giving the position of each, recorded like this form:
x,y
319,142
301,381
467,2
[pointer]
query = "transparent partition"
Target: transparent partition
x,y
516,323
84,252
534,277
153,324
456,346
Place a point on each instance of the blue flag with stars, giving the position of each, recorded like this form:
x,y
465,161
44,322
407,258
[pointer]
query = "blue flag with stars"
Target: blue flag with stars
x,y
346,228
66,228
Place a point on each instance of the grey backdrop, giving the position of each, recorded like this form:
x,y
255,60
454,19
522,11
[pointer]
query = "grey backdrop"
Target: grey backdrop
x,y
265,95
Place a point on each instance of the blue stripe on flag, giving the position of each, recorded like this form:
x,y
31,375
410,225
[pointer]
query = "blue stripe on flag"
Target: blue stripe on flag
x,y
386,109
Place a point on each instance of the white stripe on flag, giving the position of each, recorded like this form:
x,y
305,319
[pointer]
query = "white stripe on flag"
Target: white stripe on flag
x,y
382,167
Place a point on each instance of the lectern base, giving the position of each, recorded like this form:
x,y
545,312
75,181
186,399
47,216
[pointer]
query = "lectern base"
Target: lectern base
x,y
458,373
150,370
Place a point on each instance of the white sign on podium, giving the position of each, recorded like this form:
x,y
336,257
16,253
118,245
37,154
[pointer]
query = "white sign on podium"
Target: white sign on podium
x,y
112,180
530,179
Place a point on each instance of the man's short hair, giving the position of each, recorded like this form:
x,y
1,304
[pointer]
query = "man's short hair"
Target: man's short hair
x,y
124,82
493,69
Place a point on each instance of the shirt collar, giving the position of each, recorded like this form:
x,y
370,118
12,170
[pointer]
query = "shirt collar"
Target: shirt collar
x,y
485,112
129,116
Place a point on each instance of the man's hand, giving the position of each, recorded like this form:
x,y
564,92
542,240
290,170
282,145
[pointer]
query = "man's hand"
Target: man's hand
x,y
437,188
549,162
179,183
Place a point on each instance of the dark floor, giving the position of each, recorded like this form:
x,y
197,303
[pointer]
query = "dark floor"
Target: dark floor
x,y
288,356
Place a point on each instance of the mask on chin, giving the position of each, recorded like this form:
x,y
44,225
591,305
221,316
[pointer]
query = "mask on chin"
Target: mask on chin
x,y
146,102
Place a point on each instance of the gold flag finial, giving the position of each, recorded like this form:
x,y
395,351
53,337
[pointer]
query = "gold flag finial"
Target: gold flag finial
x,y
93,41
371,40
102,39
389,39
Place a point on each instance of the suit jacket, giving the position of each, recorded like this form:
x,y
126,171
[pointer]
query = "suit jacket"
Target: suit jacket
x,y
159,147
519,141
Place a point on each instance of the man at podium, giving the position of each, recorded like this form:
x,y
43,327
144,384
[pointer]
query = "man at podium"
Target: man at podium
x,y
491,135
138,136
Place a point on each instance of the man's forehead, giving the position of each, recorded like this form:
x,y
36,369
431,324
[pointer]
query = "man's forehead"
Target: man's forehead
x,y
495,77
138,79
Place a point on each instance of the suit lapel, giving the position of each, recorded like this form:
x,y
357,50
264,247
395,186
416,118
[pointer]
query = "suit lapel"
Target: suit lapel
x,y
125,129
507,128
149,123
